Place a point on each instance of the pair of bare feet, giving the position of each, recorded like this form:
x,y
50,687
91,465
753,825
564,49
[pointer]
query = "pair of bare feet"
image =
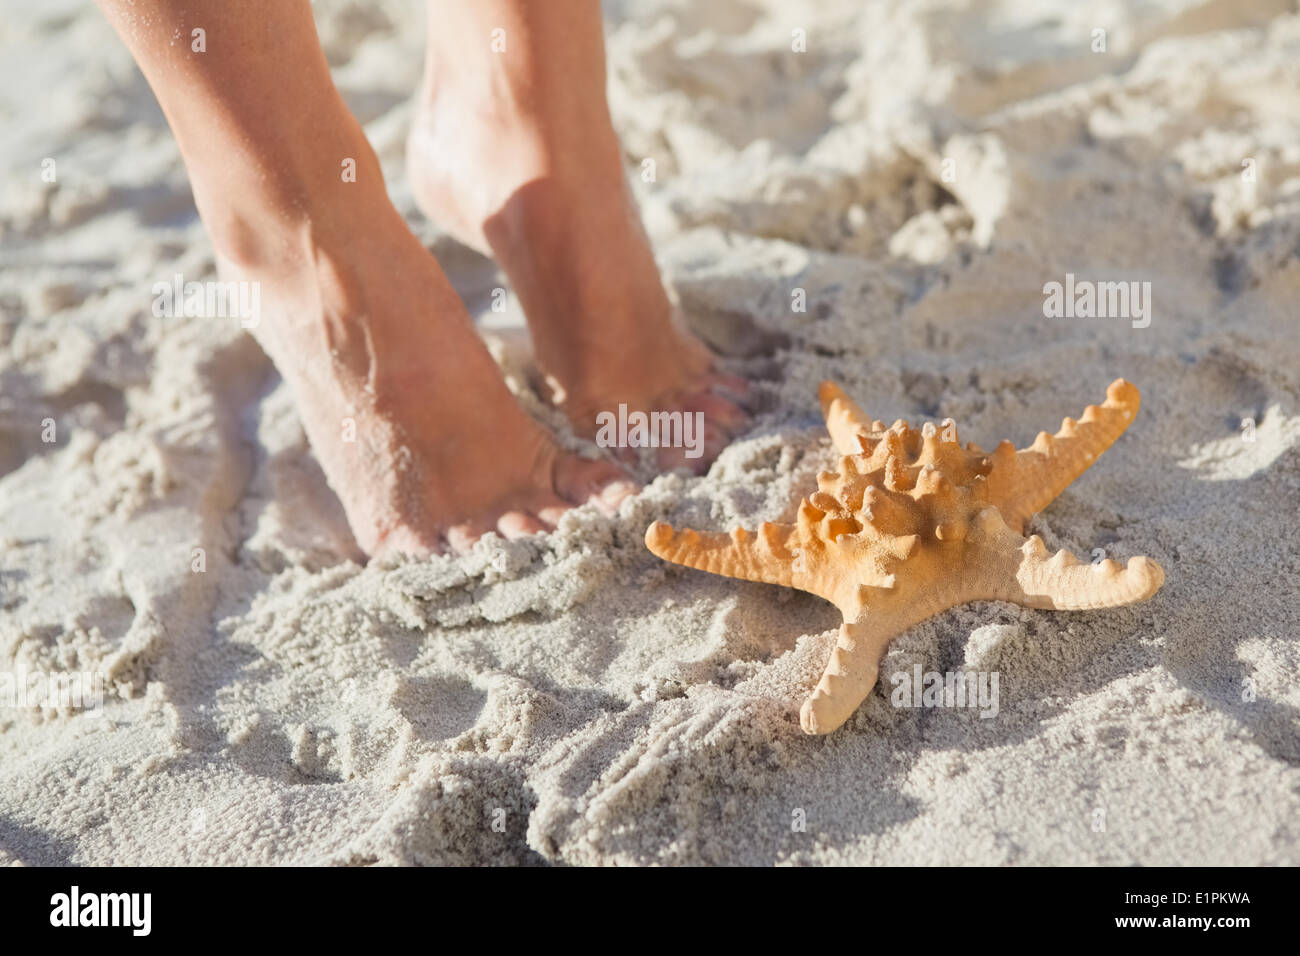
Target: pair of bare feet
x,y
515,155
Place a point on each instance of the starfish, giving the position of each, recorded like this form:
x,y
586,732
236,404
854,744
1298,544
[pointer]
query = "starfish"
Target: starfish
x,y
911,524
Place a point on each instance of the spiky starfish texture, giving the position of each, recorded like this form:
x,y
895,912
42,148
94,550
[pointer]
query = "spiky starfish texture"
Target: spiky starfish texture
x,y
912,524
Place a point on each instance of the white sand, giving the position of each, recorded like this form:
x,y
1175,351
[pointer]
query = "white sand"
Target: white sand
x,y
287,705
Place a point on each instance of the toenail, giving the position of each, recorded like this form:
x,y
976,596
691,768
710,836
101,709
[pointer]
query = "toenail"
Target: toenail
x,y
616,491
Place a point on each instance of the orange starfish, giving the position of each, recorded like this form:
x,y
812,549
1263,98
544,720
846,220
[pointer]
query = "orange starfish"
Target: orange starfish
x,y
912,524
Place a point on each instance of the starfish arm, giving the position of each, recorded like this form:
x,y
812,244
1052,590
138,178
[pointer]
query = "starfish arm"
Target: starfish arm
x,y
1018,569
844,419
764,556
1024,482
852,669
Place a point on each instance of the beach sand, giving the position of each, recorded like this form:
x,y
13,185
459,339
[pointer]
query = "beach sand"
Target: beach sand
x,y
571,699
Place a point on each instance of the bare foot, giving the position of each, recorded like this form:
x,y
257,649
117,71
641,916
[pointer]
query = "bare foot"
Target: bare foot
x,y
405,409
546,196
403,406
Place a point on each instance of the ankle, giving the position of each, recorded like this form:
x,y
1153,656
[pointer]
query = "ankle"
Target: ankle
x,y
259,210
511,126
